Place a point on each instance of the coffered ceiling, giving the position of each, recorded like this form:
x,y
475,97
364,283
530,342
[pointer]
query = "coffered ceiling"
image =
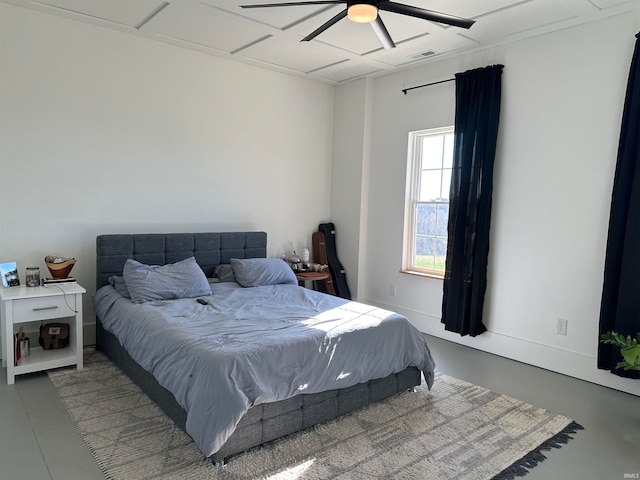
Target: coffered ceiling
x,y
270,37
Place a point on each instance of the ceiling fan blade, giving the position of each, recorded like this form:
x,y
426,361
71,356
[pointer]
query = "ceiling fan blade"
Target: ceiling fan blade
x,y
291,4
425,14
382,33
325,26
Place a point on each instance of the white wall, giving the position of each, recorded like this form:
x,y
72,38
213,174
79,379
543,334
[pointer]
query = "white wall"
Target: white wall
x,y
103,132
351,129
561,110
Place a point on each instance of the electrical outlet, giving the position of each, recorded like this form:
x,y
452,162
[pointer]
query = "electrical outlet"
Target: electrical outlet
x,y
392,289
561,326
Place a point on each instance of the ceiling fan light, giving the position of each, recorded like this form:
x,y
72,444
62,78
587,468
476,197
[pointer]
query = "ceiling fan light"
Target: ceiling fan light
x,y
362,13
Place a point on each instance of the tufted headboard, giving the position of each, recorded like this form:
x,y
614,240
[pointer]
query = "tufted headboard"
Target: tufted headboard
x,y
209,249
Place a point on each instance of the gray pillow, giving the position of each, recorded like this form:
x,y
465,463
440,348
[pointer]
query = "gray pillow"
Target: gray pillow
x,y
254,272
121,287
183,279
224,273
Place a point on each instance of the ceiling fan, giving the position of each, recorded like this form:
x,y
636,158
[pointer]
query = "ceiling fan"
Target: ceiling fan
x,y
367,12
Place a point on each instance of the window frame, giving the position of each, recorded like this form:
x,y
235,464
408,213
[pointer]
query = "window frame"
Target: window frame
x,y
412,195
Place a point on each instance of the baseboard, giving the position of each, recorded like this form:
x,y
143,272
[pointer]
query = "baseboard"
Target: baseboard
x,y
557,360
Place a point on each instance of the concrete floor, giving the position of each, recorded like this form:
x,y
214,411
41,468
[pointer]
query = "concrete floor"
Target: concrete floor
x,y
38,440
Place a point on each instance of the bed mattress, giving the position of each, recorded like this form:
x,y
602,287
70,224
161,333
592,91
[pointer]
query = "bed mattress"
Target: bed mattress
x,y
248,347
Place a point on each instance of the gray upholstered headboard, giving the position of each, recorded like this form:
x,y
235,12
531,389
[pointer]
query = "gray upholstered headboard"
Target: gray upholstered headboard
x,y
209,249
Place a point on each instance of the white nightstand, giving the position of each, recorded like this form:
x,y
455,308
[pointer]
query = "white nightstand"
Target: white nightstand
x,y
21,305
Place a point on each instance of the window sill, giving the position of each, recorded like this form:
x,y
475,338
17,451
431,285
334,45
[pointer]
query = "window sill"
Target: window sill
x,y
423,274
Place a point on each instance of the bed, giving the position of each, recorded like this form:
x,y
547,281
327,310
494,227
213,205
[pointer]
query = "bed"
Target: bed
x,y
189,375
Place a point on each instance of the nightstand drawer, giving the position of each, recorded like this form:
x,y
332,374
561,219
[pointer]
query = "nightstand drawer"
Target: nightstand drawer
x,y
43,308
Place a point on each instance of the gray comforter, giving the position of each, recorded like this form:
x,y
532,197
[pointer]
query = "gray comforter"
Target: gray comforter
x,y
257,345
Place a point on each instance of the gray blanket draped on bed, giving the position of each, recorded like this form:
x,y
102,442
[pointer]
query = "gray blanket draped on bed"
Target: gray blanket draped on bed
x,y
258,345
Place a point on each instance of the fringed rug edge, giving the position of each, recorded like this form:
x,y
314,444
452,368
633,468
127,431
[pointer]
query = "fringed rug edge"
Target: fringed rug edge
x,y
531,460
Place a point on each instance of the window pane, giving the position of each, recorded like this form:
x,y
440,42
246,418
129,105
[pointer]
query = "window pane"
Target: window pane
x,y
426,219
432,147
430,185
446,183
440,254
431,161
425,245
424,256
426,262
442,220
447,159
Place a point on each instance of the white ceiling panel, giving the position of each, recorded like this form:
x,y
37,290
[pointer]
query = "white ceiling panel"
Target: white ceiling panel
x,y
467,8
204,25
278,17
439,44
270,37
351,72
123,12
303,57
604,4
358,39
515,20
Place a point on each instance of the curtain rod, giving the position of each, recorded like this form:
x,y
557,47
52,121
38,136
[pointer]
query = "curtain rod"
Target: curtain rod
x,y
405,90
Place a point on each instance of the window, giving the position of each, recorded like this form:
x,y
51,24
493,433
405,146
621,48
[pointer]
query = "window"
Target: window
x,y
429,162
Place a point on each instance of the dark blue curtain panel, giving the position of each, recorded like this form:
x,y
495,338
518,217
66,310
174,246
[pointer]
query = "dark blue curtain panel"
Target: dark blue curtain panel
x,y
620,306
477,116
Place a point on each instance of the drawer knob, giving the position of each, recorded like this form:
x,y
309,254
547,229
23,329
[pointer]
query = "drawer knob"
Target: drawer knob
x,y
45,308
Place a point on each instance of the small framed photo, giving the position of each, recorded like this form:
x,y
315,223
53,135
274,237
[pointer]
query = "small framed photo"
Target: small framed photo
x,y
9,273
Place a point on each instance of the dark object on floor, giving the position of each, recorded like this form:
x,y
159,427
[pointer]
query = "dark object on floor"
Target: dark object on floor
x,y
338,273
320,256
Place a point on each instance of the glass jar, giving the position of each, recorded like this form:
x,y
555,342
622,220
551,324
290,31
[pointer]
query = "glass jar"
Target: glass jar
x,y
33,277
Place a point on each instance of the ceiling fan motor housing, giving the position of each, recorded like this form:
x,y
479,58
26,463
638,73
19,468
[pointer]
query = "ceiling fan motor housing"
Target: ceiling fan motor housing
x,y
360,2
362,11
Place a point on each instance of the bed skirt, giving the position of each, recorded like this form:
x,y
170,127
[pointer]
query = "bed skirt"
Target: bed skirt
x,y
269,421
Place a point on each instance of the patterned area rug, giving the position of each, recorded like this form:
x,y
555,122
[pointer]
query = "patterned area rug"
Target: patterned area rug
x,y
457,430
